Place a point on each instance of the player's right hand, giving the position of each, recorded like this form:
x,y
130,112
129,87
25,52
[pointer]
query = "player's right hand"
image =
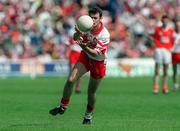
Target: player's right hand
x,y
79,40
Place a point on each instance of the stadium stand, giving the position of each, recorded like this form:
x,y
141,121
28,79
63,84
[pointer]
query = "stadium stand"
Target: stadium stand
x,y
42,29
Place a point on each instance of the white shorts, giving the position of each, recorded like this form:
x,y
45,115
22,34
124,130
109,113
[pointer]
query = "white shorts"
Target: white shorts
x,y
162,56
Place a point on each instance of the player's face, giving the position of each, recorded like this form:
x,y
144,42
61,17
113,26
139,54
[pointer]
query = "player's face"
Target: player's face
x,y
165,21
96,19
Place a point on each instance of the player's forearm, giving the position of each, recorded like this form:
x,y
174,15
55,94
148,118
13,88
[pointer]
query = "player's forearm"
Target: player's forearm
x,y
89,50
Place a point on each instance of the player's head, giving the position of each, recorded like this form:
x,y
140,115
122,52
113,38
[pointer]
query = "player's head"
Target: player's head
x,y
164,20
96,14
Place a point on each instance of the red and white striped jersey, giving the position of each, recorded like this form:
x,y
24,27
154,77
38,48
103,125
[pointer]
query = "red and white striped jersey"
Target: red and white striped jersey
x,y
75,47
101,40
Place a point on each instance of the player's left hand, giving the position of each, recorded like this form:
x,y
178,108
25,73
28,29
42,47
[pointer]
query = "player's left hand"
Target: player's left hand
x,y
77,30
76,36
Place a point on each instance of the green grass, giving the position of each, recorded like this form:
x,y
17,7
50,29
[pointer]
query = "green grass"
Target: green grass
x,y
123,104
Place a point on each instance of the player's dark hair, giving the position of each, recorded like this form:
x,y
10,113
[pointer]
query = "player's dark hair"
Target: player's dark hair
x,y
95,10
164,17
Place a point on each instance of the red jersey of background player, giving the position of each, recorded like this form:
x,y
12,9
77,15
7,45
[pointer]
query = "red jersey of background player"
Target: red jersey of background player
x,y
163,38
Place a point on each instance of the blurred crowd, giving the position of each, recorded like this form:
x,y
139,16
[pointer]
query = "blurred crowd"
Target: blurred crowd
x,y
43,29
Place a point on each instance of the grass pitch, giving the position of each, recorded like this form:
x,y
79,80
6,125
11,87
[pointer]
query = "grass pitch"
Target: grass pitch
x,y
123,104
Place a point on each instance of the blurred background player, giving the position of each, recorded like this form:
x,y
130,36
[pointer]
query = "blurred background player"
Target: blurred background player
x,y
75,51
176,54
92,58
163,39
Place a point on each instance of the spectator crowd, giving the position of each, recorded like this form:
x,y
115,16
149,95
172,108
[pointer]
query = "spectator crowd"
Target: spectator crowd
x,y
43,29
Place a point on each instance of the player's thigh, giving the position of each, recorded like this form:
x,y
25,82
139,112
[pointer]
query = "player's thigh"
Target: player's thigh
x,y
77,71
158,55
166,56
72,66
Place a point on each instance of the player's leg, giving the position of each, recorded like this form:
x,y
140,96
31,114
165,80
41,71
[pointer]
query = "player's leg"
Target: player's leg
x,y
165,78
166,61
175,83
78,70
158,60
175,61
77,84
92,87
97,72
156,78
74,56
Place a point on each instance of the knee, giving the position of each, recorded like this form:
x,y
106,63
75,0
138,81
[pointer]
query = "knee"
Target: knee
x,y
165,73
72,79
156,72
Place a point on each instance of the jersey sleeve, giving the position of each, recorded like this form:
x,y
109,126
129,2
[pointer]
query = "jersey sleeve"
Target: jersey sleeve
x,y
102,43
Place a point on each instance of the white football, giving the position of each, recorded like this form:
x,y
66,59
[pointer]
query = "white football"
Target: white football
x,y
84,23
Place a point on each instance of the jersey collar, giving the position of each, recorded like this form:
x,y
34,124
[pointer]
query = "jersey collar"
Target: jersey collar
x,y
98,30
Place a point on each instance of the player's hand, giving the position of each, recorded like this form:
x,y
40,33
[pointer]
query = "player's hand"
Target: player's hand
x,y
76,36
79,40
77,30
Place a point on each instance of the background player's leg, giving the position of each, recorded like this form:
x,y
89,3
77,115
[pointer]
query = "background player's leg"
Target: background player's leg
x,y
156,78
175,83
165,78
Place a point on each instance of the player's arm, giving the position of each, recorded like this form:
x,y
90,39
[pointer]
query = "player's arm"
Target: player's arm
x,y
97,46
86,45
156,37
91,51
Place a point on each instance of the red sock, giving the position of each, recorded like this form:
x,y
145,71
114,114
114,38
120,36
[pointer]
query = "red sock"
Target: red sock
x,y
90,108
64,102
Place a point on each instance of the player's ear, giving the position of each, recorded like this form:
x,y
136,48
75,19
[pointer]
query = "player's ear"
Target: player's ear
x,y
100,17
